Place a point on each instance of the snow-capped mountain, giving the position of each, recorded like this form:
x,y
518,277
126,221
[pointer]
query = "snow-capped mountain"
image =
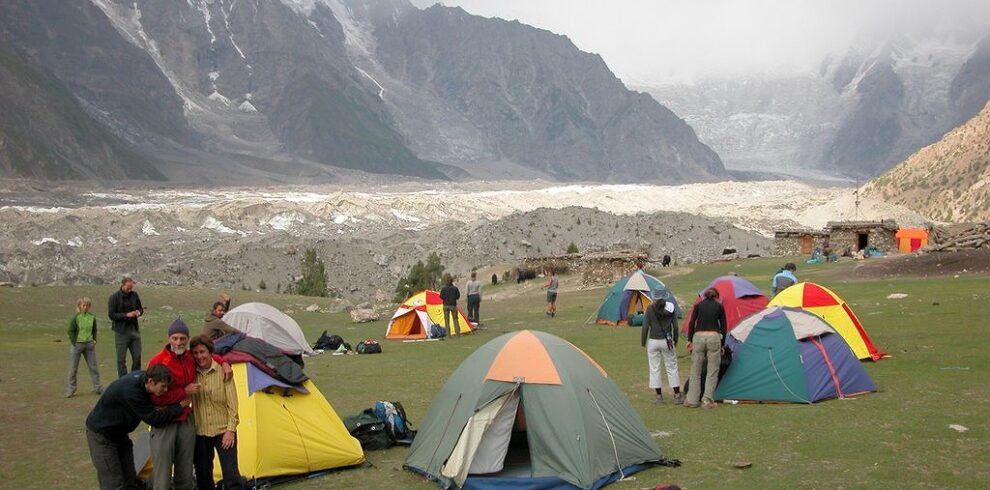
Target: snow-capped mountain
x,y
864,111
309,90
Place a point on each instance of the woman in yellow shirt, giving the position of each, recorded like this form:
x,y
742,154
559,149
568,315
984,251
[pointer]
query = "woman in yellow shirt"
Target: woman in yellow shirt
x,y
215,413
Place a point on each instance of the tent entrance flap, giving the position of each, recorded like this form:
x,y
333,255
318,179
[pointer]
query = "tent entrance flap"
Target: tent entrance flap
x,y
484,441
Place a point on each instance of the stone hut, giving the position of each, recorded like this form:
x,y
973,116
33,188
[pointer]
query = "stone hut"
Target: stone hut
x,y
797,242
858,235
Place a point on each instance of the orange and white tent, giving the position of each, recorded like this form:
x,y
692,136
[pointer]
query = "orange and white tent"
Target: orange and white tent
x,y
417,313
827,305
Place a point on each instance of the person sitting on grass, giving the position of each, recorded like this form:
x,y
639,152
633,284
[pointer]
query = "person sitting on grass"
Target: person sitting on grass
x,y
82,337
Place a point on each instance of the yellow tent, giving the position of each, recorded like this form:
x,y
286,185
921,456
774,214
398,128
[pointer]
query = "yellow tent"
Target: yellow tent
x,y
417,313
823,302
282,432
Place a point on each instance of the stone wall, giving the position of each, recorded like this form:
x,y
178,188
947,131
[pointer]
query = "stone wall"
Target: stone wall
x,y
880,234
595,268
789,242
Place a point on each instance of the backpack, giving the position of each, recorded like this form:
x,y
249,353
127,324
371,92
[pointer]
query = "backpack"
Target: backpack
x,y
396,422
437,332
328,342
369,430
369,347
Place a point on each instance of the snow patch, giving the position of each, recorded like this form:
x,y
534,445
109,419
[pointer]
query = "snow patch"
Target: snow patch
x,y
284,221
217,96
403,216
46,240
247,106
212,223
340,219
112,240
149,229
75,241
205,9
180,229
318,31
214,75
381,90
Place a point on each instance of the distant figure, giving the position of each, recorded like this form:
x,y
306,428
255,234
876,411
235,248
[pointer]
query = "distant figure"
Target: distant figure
x,y
785,278
551,287
659,336
213,325
125,404
707,326
827,250
494,279
473,290
450,294
82,340
666,261
124,308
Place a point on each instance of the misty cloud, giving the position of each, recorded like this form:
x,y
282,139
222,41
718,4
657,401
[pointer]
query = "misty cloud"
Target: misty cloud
x,y
682,40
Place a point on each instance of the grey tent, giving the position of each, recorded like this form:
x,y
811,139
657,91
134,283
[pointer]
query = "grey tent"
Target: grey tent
x,y
267,323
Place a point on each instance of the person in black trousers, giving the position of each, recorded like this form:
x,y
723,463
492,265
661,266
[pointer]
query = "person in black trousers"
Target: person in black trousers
x,y
124,308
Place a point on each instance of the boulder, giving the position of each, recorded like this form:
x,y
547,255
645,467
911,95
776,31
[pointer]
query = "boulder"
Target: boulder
x,y
363,315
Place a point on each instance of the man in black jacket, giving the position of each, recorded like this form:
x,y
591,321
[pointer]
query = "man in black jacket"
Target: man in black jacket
x,y
124,405
450,294
124,307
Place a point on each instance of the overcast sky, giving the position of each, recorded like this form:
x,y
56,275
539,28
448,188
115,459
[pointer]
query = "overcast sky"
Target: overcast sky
x,y
680,40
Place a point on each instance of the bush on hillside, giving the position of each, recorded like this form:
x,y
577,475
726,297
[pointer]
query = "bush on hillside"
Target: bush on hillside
x,y
421,276
314,276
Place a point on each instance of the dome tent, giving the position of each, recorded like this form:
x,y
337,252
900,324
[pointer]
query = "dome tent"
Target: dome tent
x,y
823,302
413,318
630,294
509,416
789,355
267,323
739,297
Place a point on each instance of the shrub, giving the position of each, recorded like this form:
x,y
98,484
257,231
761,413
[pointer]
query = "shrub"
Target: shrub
x,y
572,248
421,276
314,276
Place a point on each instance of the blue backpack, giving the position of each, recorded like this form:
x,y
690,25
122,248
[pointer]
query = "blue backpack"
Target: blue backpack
x,y
437,332
396,423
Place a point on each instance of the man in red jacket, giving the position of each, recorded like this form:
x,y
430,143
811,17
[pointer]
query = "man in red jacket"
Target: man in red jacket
x,y
172,445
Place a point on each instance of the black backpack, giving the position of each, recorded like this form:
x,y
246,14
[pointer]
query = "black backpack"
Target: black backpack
x,y
328,342
369,430
369,347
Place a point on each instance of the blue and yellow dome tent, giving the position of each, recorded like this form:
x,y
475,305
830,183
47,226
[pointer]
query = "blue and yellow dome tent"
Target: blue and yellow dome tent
x,y
630,294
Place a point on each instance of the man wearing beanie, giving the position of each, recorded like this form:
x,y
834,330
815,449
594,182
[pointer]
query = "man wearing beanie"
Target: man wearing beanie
x,y
172,445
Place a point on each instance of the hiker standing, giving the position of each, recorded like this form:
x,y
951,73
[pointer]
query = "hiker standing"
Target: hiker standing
x,y
473,289
124,308
706,329
82,336
173,445
784,279
450,294
124,405
659,336
215,415
551,287
213,325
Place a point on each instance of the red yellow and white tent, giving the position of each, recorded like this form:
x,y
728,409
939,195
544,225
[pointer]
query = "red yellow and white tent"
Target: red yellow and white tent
x,y
823,302
417,313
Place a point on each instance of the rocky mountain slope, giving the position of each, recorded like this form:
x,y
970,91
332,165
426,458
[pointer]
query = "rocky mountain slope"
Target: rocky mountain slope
x,y
38,110
233,238
257,90
861,113
948,180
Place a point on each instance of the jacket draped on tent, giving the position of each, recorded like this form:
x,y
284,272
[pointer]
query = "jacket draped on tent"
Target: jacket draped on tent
x,y
823,302
530,410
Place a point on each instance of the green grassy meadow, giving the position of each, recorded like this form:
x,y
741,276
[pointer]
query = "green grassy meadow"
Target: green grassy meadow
x,y
899,436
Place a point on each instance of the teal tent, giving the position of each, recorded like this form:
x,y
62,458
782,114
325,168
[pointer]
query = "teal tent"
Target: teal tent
x,y
530,410
789,355
631,294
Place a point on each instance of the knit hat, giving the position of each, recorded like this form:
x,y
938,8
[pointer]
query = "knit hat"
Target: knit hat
x,y
178,326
